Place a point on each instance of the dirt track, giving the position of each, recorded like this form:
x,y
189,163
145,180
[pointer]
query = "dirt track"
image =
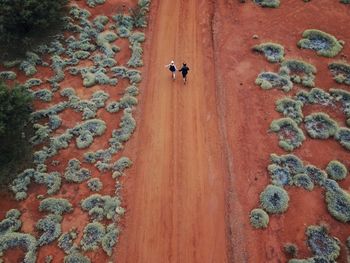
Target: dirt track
x,y
176,202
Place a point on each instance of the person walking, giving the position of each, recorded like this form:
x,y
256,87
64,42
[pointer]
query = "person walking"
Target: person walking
x,y
184,70
172,68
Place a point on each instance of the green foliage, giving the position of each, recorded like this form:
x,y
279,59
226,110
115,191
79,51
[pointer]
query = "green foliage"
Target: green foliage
x,y
323,43
304,181
43,94
84,140
300,72
269,80
93,3
76,257
100,207
95,184
280,176
54,122
320,126
66,241
136,56
42,133
127,127
24,241
56,206
74,173
51,228
291,249
321,243
11,223
110,239
343,136
290,108
23,24
93,234
273,52
336,170
274,199
315,96
340,71
289,161
289,134
338,202
113,107
259,218
8,75
317,176
268,3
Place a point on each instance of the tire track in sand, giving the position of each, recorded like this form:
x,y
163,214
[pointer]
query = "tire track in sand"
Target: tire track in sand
x,y
176,198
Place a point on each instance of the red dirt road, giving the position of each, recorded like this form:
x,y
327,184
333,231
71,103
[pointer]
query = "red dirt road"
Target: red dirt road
x,y
175,194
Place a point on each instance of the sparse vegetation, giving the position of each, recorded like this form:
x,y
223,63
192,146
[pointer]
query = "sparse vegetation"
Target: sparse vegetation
x,y
323,43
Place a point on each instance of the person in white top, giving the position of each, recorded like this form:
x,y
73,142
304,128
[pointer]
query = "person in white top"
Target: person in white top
x,y
172,68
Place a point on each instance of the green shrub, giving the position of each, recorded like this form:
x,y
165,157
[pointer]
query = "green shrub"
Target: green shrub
x,y
269,80
54,122
280,176
300,72
323,43
132,90
90,157
136,55
93,3
138,16
336,170
290,135
259,218
95,184
273,52
289,161
134,76
110,239
127,101
290,108
66,241
268,3
127,127
340,71
81,54
74,173
319,96
291,249
8,75
317,176
274,199
76,257
343,97
42,133
24,241
320,126
11,223
113,107
43,94
84,140
343,136
122,164
56,206
100,207
321,243
51,228
93,234
99,98
338,203
304,181
95,126
51,180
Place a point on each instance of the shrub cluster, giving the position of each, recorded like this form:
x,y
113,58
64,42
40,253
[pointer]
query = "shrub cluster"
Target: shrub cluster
x,y
343,136
259,218
323,43
317,175
273,52
110,239
274,199
76,257
280,176
51,228
74,173
269,80
320,126
336,170
338,201
93,234
95,184
340,71
56,206
290,135
290,108
304,181
11,223
300,72
268,3
66,241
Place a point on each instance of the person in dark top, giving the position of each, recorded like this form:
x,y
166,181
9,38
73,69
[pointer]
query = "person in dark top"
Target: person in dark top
x,y
172,68
184,70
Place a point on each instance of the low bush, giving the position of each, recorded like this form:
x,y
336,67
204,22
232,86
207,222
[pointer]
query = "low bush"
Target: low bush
x,y
122,164
343,97
42,133
127,101
338,203
56,206
291,249
321,243
90,157
340,71
274,199
99,98
268,3
323,43
95,126
134,76
343,136
304,181
280,176
8,75
319,96
300,72
51,228
113,107
110,239
24,241
290,108
54,122
11,222
290,161
66,241
95,184
259,218
136,55
51,180
76,257
273,52
290,135
74,173
84,140
132,90
269,80
44,95
336,170
93,234
93,3
81,54
100,207
320,126
127,126
317,175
